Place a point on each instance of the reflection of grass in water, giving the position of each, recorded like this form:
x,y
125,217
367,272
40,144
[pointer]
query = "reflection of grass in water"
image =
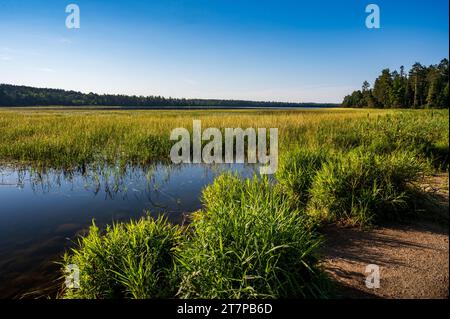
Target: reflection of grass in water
x,y
150,173
110,179
114,181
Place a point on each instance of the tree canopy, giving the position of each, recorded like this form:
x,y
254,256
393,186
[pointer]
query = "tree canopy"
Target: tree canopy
x,y
422,87
13,95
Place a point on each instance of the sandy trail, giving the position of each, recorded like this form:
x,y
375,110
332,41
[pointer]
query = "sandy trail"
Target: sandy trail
x,y
413,258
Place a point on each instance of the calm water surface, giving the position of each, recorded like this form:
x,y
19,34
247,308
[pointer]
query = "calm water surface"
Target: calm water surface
x,y
41,213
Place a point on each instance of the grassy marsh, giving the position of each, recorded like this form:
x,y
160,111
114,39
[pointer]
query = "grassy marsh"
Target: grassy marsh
x,y
252,238
70,138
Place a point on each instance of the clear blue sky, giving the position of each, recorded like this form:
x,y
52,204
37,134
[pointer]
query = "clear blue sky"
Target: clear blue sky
x,y
244,49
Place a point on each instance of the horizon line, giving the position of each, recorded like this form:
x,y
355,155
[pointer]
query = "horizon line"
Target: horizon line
x,y
174,98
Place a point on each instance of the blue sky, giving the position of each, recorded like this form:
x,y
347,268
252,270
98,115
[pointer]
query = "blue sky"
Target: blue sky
x,y
249,49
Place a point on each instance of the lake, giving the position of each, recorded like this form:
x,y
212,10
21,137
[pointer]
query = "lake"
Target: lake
x,y
42,212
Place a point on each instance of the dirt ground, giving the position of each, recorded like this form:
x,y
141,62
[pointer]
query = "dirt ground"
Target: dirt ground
x,y
413,258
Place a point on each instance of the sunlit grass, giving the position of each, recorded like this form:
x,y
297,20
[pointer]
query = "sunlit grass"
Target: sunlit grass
x,y
69,138
132,260
252,238
248,243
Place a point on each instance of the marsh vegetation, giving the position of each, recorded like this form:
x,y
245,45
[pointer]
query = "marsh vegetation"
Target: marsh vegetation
x,y
253,237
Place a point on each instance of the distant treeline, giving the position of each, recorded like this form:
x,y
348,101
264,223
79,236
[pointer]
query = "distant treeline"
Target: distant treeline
x,y
421,87
13,95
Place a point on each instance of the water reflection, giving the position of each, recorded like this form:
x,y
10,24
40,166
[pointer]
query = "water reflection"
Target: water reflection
x,y
42,211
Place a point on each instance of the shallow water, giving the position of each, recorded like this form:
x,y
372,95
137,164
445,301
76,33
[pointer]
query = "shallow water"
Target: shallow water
x,y
41,213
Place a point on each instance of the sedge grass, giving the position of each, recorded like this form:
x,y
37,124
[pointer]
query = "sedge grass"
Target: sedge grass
x,y
248,243
127,260
252,239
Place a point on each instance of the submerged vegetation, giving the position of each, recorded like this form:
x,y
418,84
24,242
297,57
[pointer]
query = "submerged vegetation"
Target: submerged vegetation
x,y
254,238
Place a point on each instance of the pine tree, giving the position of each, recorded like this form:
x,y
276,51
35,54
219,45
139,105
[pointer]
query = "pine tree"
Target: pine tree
x,y
417,76
382,88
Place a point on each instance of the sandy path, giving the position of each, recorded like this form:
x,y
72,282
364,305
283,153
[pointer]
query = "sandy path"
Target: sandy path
x,y
413,258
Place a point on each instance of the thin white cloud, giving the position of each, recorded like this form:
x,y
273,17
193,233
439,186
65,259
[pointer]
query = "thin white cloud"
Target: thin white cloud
x,y
65,40
190,81
10,51
46,70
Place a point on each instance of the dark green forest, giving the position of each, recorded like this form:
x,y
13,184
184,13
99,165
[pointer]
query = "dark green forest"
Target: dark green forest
x,y
13,95
421,87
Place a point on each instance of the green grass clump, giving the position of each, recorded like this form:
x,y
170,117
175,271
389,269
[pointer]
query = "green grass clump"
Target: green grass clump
x,y
362,188
296,173
248,243
130,260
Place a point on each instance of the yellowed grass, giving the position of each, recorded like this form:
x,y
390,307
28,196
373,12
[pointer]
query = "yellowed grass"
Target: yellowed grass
x,y
67,137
